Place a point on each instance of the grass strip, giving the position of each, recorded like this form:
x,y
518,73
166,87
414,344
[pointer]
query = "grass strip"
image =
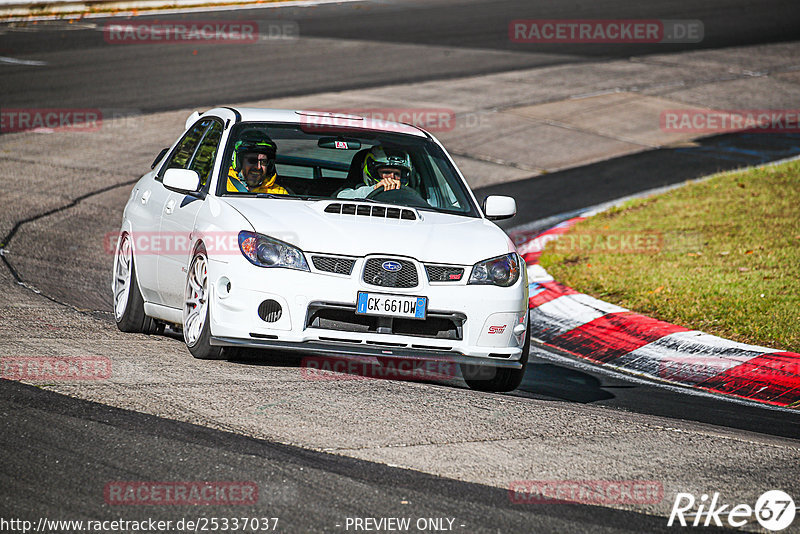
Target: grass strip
x,y
721,256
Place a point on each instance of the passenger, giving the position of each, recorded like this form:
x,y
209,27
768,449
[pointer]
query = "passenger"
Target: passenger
x,y
385,168
253,167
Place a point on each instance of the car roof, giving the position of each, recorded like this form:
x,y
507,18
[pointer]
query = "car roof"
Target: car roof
x,y
321,118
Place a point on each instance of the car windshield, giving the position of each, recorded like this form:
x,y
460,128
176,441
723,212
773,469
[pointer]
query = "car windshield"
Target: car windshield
x,y
290,160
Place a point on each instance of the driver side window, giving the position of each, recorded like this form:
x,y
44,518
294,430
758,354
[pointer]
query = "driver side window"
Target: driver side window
x,y
186,148
203,160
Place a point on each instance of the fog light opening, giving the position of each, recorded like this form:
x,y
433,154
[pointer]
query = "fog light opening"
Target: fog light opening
x,y
270,311
224,287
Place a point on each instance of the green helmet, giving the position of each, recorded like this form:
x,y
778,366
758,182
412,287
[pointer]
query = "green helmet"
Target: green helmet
x,y
379,157
254,142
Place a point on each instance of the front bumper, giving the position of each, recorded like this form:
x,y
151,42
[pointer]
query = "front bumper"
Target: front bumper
x,y
481,319
336,349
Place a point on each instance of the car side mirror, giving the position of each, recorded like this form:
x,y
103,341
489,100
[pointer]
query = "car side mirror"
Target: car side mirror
x,y
181,180
497,207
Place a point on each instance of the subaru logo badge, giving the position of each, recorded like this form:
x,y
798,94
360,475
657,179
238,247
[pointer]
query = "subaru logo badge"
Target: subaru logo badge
x,y
391,266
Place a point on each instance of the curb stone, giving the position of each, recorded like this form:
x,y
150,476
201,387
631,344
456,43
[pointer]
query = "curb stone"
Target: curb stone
x,y
605,334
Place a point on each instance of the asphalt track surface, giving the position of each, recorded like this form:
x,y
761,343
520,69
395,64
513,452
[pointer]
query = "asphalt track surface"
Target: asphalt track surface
x,y
51,440
544,197
342,47
58,453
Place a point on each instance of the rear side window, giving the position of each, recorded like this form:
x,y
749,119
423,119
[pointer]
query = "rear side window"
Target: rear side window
x,y
185,150
203,160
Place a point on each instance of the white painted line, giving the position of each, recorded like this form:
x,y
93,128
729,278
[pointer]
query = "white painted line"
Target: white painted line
x,y
173,11
597,93
13,61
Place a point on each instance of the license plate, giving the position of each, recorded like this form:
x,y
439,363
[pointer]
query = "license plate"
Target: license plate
x,y
391,305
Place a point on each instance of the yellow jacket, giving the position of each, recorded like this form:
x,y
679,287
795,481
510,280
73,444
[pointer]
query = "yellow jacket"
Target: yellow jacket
x,y
269,186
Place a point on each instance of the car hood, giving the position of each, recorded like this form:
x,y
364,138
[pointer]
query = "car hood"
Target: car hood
x,y
433,237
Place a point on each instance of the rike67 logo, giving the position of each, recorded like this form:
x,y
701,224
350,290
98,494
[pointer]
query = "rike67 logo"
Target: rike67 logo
x,y
774,510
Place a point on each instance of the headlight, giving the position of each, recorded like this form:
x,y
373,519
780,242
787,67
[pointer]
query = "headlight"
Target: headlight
x,y
500,271
264,251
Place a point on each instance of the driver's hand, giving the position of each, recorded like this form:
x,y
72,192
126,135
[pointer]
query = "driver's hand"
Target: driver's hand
x,y
388,184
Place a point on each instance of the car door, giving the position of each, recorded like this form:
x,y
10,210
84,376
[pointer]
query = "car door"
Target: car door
x,y
144,223
150,244
179,214
144,214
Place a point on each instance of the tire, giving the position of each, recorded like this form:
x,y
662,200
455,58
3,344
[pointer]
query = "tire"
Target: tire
x,y
128,302
501,380
196,313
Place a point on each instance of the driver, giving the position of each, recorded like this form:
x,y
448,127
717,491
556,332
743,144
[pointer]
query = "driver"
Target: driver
x,y
253,167
383,167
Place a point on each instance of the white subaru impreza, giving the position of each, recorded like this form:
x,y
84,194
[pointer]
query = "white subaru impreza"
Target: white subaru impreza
x,y
325,234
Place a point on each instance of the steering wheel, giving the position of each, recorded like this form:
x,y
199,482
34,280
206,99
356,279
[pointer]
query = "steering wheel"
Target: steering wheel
x,y
405,196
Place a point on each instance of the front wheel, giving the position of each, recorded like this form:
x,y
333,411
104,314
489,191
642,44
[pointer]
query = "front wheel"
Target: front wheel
x,y
196,328
196,313
128,302
483,378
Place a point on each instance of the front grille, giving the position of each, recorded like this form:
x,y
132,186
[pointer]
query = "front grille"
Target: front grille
x,y
371,211
444,273
333,264
343,318
376,275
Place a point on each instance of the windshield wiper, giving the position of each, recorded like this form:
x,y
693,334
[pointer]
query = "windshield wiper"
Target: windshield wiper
x,y
307,197
362,200
250,194
295,197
